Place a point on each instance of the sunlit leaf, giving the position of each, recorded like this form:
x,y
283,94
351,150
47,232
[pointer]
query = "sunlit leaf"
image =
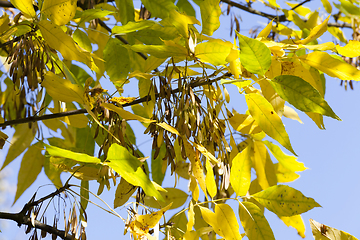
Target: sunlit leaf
x,y
227,222
62,89
172,195
129,167
267,119
159,8
168,128
90,14
266,31
285,201
352,49
215,51
331,66
161,51
240,175
57,39
291,113
30,168
210,13
244,123
181,22
82,40
25,6
287,161
79,157
295,222
191,218
125,114
323,232
255,56
59,12
132,27
301,95
210,179
316,32
254,222
327,6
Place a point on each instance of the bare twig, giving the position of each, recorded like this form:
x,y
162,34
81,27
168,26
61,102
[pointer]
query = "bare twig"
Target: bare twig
x,y
295,7
22,217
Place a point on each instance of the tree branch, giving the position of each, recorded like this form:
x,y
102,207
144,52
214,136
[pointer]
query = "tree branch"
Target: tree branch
x,y
198,83
280,18
22,217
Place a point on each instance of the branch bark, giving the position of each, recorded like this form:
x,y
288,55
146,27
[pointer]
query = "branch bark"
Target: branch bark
x,y
22,217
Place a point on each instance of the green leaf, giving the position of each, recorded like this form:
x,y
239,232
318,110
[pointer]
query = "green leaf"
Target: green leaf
x,y
126,10
161,51
21,140
210,13
59,12
255,56
156,165
90,14
31,165
159,8
82,40
129,167
267,119
285,201
240,175
185,6
116,58
84,193
287,161
57,39
25,6
301,95
254,222
214,51
132,27
172,195
79,157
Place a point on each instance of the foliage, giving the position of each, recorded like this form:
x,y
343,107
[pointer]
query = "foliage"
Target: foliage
x,y
60,55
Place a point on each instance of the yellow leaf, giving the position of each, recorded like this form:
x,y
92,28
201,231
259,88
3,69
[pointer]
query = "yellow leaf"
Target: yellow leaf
x,y
338,33
210,217
331,66
190,223
30,168
25,6
210,180
284,175
240,175
327,6
194,188
3,138
150,220
214,51
57,39
62,89
316,32
266,117
266,31
323,232
227,222
317,118
169,128
205,152
244,123
171,195
295,222
352,49
263,166
181,21
210,13
234,59
254,222
21,140
291,113
123,192
122,100
321,47
59,12
272,96
125,114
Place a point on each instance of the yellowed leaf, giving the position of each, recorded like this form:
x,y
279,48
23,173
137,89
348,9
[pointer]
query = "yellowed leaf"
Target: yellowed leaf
x,y
352,49
168,128
122,100
25,6
266,31
240,175
194,188
316,32
59,12
296,222
123,192
150,220
3,138
57,39
227,222
331,66
205,152
210,180
191,218
125,114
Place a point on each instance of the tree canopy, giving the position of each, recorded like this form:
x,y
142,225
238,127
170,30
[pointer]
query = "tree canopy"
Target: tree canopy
x,y
67,65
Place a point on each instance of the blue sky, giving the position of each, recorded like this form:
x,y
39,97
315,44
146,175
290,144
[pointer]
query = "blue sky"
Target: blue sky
x,y
332,156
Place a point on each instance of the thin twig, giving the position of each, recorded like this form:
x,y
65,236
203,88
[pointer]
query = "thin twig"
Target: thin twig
x,y
302,3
